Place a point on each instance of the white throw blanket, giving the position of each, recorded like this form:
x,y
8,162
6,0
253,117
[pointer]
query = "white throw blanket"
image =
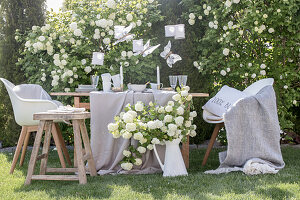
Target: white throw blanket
x,y
253,135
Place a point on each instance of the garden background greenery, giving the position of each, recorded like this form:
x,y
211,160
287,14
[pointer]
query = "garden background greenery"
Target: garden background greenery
x,y
227,42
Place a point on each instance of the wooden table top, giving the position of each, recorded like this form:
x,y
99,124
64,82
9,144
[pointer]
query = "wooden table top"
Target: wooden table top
x,y
85,94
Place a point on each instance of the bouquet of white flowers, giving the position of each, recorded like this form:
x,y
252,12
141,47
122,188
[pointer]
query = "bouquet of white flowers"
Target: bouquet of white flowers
x,y
152,124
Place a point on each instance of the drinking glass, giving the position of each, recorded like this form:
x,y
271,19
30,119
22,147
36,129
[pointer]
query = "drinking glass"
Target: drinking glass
x,y
94,80
173,81
182,80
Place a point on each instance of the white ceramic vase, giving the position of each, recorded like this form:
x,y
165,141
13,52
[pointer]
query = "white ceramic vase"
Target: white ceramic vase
x,y
174,164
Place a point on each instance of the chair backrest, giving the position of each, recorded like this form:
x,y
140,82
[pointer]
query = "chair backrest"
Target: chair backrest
x,y
25,108
254,88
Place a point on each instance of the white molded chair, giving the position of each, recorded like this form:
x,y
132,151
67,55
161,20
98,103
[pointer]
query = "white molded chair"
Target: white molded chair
x,y
251,90
23,113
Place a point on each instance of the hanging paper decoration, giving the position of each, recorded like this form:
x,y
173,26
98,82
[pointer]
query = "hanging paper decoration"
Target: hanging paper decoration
x,y
176,31
170,30
122,34
169,56
179,31
97,58
147,49
138,45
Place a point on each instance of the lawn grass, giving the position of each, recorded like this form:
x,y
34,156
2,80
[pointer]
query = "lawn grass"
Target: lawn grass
x,y
236,185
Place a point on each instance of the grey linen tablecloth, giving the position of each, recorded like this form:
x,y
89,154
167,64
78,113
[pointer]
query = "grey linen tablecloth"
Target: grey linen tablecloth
x,y
108,151
253,135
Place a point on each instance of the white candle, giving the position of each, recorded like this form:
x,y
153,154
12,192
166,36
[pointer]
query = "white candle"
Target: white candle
x,y
158,76
121,75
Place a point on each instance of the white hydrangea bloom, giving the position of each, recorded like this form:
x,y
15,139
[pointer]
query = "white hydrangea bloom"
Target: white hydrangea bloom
x,y
150,147
169,108
73,26
271,30
206,12
191,21
180,110
211,24
77,32
138,161
192,16
106,41
130,127
223,73
126,153
253,75
172,127
285,87
263,72
128,118
112,127
88,69
123,53
155,141
228,3
111,4
129,17
168,118
263,66
226,51
127,166
179,120
176,97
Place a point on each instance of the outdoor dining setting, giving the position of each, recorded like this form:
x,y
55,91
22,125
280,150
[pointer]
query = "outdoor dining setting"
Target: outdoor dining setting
x,y
149,99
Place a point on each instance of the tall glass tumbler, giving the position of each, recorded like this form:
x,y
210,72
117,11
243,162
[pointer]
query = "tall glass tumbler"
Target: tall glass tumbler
x,y
173,81
94,80
182,79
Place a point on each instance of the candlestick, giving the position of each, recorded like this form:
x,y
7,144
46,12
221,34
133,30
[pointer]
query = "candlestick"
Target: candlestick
x,y
158,77
121,76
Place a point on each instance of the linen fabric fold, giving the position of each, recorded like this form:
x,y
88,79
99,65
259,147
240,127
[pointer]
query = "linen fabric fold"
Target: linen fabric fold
x,y
108,151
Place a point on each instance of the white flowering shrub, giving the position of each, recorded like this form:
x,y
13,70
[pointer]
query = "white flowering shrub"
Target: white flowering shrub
x,y
244,41
58,54
152,124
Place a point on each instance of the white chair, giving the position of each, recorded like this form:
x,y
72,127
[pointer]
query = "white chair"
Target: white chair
x,y
253,89
24,108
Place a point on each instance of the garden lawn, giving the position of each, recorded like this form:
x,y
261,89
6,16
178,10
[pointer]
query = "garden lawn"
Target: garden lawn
x,y
236,185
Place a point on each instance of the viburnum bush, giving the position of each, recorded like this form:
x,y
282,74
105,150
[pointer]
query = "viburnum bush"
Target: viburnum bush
x,y
246,40
152,124
58,54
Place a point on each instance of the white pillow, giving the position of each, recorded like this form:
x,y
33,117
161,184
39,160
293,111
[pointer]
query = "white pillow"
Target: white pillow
x,y
223,100
31,91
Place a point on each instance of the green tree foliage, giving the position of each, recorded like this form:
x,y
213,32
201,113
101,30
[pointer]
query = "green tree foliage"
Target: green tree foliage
x,y
14,15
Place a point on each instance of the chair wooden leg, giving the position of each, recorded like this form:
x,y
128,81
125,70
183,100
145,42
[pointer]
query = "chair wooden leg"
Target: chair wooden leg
x,y
63,144
58,147
18,149
24,148
88,150
211,142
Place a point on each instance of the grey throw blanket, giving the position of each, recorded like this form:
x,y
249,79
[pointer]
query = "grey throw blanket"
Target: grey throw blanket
x,y
253,135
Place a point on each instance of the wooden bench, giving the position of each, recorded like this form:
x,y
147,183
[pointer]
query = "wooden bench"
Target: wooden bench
x,y
82,154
